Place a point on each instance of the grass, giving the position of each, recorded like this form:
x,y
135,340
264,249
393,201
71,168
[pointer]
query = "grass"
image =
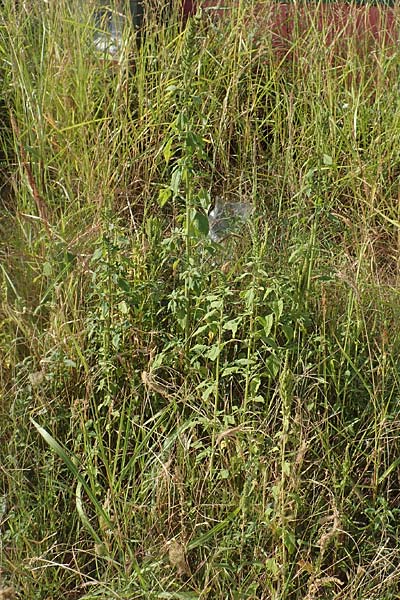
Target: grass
x,y
182,419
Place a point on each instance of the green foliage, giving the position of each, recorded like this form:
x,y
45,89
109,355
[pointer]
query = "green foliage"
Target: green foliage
x,y
181,418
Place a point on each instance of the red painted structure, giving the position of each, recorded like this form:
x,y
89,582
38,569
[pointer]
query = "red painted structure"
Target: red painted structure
x,y
339,21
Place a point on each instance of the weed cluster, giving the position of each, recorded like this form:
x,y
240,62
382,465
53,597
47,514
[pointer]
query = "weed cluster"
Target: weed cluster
x,y
182,418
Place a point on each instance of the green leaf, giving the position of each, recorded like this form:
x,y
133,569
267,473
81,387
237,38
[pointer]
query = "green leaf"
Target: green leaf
x,y
206,537
167,150
47,270
123,307
194,141
199,350
266,323
201,329
116,338
289,541
288,331
278,309
202,198
207,391
201,222
272,365
176,180
272,566
249,296
164,195
233,325
213,352
123,284
62,453
82,514
230,370
327,160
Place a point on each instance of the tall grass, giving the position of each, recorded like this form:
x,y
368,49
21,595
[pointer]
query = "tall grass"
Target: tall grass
x,y
179,418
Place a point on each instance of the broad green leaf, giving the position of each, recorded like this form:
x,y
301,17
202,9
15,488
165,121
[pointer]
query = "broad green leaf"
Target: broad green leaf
x,y
233,325
201,222
266,323
213,352
164,195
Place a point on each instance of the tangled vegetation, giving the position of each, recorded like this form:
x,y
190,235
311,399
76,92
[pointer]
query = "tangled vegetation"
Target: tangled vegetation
x,y
180,418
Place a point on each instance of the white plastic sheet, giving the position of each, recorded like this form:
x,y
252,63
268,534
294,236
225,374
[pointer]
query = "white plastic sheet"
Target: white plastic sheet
x,y
226,218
